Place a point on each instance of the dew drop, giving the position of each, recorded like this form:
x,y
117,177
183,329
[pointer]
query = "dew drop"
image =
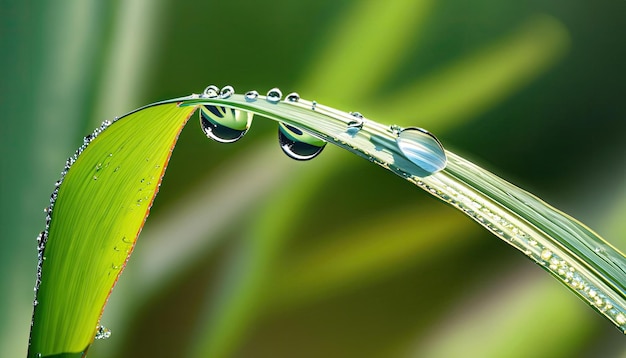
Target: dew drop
x,y
102,333
274,95
546,254
224,125
298,144
227,91
422,149
357,122
210,92
292,97
251,96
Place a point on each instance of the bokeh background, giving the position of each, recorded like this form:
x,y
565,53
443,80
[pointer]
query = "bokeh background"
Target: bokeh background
x,y
248,253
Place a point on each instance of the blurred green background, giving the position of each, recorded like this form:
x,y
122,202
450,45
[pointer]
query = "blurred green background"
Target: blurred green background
x,y
248,253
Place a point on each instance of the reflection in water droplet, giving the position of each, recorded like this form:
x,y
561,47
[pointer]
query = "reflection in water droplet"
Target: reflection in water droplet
x,y
422,148
227,91
274,95
251,96
357,122
292,97
102,333
298,144
224,125
210,92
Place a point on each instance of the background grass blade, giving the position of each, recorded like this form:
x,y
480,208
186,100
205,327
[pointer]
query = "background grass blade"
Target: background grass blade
x,y
102,204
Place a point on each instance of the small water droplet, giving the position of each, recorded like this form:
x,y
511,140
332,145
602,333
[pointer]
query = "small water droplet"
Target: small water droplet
x,y
298,144
227,91
313,105
292,97
95,177
224,125
274,95
546,254
251,96
210,92
357,122
422,149
102,332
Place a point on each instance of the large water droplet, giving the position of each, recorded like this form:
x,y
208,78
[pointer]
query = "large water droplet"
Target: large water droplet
x,y
274,95
102,333
422,148
298,144
211,91
227,91
251,96
224,125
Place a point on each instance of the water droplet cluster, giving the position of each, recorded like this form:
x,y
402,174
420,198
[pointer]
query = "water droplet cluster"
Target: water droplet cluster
x,y
102,332
524,239
42,238
228,125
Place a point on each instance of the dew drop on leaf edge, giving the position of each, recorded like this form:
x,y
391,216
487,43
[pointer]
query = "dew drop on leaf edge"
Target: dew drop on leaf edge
x,y
422,148
224,125
274,95
298,144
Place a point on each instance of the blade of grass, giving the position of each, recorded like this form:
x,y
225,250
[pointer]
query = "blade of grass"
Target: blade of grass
x,y
571,252
101,206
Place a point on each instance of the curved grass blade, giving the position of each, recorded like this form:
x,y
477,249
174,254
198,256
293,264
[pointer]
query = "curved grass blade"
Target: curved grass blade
x,y
571,252
103,199
101,203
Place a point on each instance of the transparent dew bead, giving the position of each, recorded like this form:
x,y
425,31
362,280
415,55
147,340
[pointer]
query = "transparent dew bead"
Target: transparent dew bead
x,y
251,96
102,333
211,92
421,148
224,125
297,144
274,95
227,91
357,122
292,97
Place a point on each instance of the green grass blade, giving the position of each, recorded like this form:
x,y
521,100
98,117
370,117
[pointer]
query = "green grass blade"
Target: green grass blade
x,y
105,196
101,206
589,266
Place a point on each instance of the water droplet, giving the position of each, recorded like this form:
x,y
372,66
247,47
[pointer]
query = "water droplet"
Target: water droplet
x,y
227,91
298,144
422,149
292,97
313,105
102,333
251,96
224,125
274,95
210,92
357,122
546,254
